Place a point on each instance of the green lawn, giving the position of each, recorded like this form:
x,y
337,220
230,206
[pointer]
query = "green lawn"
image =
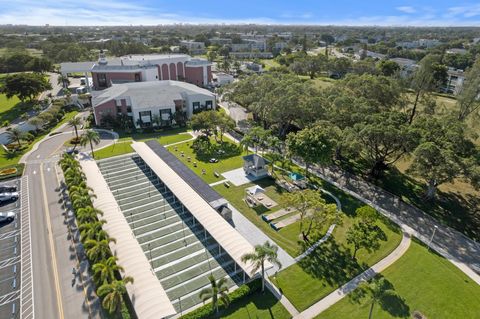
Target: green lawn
x,y
7,159
225,163
287,237
425,282
114,150
10,109
258,306
269,63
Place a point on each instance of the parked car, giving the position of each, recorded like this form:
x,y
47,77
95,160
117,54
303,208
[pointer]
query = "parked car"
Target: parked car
x,y
71,151
8,188
6,197
6,216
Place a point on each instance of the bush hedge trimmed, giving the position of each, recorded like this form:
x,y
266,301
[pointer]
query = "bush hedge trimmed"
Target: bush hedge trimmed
x,y
19,171
206,311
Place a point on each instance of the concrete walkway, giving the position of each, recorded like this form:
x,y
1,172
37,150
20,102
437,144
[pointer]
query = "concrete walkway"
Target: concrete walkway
x,y
460,250
368,274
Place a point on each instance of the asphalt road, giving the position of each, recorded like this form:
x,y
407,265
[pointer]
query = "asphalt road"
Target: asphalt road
x,y
58,292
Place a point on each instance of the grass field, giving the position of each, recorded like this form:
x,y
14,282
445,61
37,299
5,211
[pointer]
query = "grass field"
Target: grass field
x,y
425,282
33,52
330,266
258,306
225,163
10,109
269,63
114,150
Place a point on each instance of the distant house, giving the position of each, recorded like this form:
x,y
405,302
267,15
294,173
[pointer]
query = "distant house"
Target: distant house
x,y
407,66
255,165
153,103
221,78
193,47
455,81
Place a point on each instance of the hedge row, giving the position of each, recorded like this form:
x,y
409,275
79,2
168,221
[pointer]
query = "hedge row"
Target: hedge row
x,y
242,292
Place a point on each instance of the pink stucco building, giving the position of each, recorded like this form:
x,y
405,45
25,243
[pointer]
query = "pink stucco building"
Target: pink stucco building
x,y
143,68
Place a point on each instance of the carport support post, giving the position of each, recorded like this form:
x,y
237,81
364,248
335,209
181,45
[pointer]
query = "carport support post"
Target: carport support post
x,y
244,277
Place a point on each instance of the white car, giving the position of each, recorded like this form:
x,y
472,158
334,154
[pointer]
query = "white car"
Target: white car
x,y
7,216
6,197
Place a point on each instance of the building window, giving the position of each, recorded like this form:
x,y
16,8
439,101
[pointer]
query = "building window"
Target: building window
x,y
165,117
196,107
145,118
129,108
102,80
137,77
208,105
119,109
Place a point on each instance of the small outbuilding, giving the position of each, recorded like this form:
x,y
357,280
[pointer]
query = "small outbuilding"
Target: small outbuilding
x,y
255,165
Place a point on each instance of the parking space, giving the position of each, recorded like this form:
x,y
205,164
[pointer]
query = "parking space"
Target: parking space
x,y
10,256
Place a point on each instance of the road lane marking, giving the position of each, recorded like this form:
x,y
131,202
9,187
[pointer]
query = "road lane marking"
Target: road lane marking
x,y
52,246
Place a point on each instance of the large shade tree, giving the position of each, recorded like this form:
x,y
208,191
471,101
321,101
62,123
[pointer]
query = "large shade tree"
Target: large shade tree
x,y
25,85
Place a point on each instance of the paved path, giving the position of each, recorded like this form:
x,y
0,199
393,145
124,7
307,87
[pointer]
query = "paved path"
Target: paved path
x,y
462,251
368,274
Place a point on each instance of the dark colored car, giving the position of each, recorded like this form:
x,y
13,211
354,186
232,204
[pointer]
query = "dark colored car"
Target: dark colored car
x,y
8,188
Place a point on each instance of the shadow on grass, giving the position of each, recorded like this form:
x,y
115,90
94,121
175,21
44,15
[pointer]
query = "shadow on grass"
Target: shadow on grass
x,y
332,263
258,300
452,209
387,298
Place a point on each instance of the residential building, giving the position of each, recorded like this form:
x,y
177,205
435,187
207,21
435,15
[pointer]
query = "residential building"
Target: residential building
x,y
366,53
152,102
252,55
193,47
221,78
280,45
424,43
456,51
249,45
141,68
407,66
454,81
220,41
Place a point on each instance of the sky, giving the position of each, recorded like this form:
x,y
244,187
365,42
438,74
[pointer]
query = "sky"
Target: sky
x,y
318,12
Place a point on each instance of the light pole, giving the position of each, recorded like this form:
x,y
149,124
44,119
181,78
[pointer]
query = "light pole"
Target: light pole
x,y
431,239
180,304
131,218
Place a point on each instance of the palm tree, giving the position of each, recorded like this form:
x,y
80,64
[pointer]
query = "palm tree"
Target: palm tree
x,y
90,136
375,291
63,80
87,214
217,291
262,253
93,230
15,135
75,122
98,249
104,271
112,294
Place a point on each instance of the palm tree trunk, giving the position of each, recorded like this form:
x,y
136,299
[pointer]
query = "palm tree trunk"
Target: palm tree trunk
x,y
91,147
19,144
371,310
76,131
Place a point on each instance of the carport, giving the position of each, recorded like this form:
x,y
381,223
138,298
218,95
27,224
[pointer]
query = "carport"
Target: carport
x,y
76,67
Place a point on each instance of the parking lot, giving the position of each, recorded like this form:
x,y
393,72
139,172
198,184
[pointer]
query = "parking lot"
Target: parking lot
x,y
10,256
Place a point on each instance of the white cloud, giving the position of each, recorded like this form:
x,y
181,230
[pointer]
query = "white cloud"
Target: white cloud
x,y
406,9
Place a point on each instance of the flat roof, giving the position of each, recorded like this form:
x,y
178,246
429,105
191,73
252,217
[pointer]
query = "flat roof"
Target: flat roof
x,y
146,293
182,170
73,67
230,239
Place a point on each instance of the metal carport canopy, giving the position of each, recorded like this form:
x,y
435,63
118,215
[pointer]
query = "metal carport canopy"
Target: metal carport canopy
x,y
73,67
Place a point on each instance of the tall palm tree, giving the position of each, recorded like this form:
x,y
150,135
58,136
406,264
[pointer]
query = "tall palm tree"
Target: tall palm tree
x,y
93,230
75,123
98,249
217,291
90,136
104,271
262,253
375,291
112,294
15,135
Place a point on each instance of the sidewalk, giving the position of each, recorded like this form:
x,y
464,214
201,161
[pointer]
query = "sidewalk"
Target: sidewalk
x,y
368,274
463,252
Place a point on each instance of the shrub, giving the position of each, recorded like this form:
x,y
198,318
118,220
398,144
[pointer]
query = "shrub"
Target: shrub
x,y
15,171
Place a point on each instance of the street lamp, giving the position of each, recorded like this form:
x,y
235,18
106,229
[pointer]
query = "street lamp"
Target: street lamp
x,y
131,218
180,304
431,239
